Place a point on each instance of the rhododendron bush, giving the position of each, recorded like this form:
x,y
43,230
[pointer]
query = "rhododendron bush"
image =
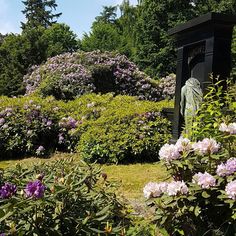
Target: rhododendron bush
x,y
62,197
71,75
201,197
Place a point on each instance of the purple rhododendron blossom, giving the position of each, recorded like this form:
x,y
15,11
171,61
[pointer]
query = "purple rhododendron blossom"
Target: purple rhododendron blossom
x,y
169,152
177,187
68,123
205,180
40,150
153,189
206,146
35,189
7,190
230,189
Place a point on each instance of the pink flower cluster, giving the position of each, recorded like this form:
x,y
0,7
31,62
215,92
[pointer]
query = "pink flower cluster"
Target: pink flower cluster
x,y
230,128
205,180
230,189
228,168
153,190
206,146
170,152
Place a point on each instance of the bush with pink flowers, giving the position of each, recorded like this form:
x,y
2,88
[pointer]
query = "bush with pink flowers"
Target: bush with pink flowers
x,y
201,198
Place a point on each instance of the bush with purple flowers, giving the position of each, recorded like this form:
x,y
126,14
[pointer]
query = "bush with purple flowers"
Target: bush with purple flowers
x,y
68,76
62,197
201,198
31,126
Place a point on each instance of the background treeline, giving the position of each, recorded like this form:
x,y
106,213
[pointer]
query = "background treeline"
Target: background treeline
x,y
139,32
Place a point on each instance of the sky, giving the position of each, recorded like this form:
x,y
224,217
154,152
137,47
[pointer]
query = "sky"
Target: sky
x,y
78,14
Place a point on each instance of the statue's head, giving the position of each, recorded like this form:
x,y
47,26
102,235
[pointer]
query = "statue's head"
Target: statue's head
x,y
193,82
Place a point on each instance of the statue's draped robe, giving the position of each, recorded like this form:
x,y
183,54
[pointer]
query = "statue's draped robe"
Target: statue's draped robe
x,y
191,98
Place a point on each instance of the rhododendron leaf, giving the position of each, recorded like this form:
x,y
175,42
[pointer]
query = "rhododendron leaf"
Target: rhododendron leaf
x,y
205,194
197,211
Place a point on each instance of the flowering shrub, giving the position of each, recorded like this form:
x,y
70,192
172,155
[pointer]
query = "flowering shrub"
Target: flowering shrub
x,y
201,199
34,126
167,86
68,76
59,198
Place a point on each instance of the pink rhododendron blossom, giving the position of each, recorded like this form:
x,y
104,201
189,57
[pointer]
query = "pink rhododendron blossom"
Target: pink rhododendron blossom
x,y
222,170
177,187
206,146
183,145
205,180
223,127
228,168
169,152
153,189
230,189
230,128
231,165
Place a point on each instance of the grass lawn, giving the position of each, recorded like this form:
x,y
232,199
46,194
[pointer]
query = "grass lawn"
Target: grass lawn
x,y
131,178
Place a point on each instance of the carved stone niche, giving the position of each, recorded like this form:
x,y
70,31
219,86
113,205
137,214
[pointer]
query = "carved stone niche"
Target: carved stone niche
x,y
203,48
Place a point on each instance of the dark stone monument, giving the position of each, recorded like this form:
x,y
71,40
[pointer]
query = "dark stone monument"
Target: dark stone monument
x,y
203,48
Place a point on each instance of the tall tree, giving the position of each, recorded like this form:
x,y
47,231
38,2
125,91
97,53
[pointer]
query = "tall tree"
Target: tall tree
x,y
39,13
126,23
155,51
108,15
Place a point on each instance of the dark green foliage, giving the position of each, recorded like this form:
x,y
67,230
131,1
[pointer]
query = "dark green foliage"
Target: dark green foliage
x,y
59,38
104,36
39,13
217,107
155,50
77,201
19,52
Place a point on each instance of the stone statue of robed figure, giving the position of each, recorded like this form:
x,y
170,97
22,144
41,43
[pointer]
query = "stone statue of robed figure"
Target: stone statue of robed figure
x,y
191,98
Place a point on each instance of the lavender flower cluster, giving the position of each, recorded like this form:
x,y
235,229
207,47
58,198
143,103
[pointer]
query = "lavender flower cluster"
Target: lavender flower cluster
x,y
72,74
68,123
174,188
34,189
167,86
228,168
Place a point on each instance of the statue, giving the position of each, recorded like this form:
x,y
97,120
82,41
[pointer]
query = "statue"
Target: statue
x,y
191,98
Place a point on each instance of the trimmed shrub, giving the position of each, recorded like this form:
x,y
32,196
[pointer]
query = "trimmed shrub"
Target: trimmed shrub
x,y
62,197
68,76
35,126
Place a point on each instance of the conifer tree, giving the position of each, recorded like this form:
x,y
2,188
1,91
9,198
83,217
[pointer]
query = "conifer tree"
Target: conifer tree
x,y
39,13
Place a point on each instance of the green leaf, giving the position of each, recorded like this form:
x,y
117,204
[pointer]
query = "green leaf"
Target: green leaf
x,y
205,194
